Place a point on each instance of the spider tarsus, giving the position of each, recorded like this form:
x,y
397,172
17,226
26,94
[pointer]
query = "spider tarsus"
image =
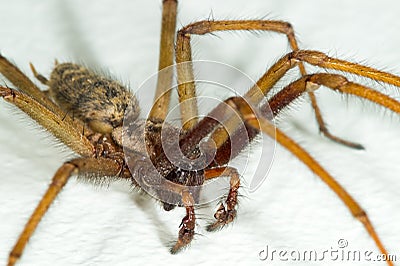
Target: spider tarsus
x,y
358,147
185,237
186,233
223,217
350,144
178,247
344,142
214,227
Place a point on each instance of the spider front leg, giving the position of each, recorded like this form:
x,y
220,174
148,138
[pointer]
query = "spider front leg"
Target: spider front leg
x,y
60,126
93,166
225,215
186,233
27,87
21,81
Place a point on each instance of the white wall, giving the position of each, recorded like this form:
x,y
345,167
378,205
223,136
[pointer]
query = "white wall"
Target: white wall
x,y
292,210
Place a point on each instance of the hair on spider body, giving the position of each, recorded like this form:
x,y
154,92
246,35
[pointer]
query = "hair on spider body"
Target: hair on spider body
x,y
96,100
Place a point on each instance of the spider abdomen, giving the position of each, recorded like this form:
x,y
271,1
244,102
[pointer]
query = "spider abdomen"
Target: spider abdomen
x,y
98,101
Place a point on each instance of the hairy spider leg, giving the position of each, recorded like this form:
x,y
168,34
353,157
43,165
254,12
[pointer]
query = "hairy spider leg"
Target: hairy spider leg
x,y
93,166
257,121
164,80
287,95
25,85
185,72
225,215
56,124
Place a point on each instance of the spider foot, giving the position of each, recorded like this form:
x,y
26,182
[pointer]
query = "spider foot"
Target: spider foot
x,y
186,233
223,217
350,144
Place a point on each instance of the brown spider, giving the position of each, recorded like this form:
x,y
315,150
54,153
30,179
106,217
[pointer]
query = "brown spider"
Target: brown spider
x,y
21,88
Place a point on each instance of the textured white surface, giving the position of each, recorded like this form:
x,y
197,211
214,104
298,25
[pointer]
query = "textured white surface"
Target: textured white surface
x,y
293,210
